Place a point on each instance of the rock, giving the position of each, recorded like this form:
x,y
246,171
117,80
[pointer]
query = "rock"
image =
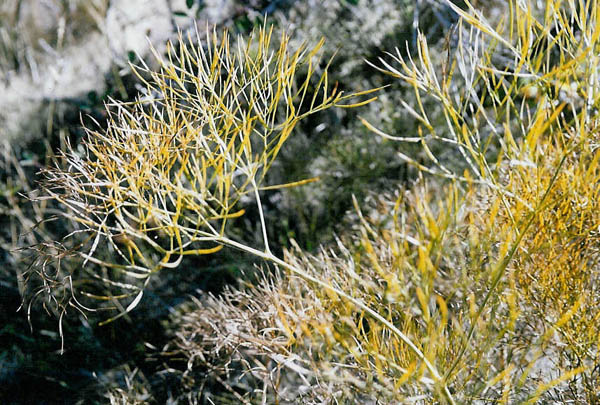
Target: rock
x,y
65,67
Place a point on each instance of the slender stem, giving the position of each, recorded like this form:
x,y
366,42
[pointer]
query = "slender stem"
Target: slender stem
x,y
270,257
503,265
262,217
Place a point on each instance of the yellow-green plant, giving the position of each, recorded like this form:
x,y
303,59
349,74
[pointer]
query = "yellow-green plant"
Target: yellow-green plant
x,y
490,280
169,172
481,288
520,102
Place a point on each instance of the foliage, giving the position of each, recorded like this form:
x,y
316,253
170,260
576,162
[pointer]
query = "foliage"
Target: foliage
x,y
336,146
530,98
170,171
475,285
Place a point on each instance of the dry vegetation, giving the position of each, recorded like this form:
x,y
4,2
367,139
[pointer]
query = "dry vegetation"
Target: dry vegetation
x,y
476,284
170,171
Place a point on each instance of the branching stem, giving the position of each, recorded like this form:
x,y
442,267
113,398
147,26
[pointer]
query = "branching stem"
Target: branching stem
x,y
268,256
262,217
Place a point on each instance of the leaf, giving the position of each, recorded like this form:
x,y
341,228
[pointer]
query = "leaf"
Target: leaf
x,y
189,3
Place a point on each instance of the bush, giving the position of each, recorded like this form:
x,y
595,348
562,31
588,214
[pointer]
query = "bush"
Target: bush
x,y
169,173
477,284
487,272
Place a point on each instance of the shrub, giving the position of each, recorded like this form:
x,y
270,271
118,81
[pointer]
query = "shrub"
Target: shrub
x,y
171,170
476,285
526,122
